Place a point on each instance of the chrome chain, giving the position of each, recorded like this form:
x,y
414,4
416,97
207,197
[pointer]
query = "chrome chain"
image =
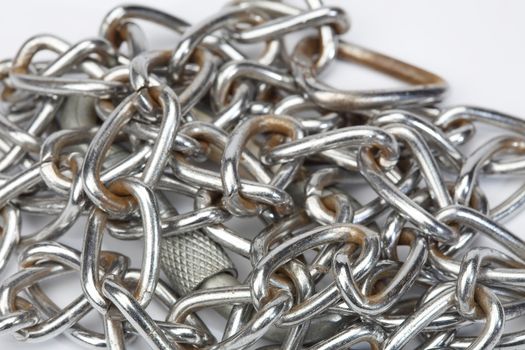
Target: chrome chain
x,y
116,133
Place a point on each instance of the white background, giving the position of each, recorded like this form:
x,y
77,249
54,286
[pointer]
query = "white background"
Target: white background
x,y
476,45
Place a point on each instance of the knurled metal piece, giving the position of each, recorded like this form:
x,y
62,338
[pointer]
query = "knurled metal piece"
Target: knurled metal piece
x,y
188,259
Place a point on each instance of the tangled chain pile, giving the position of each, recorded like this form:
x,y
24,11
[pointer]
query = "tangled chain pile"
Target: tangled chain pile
x,y
108,129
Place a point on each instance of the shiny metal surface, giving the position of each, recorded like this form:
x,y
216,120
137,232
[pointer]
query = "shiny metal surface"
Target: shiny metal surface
x,y
111,135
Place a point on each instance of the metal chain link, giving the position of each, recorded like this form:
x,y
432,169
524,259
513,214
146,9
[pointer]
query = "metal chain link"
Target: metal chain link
x,y
109,129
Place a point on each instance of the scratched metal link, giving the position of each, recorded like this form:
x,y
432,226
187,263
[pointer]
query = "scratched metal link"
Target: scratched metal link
x,y
108,135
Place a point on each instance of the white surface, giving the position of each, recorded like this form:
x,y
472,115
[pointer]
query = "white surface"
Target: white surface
x,y
477,46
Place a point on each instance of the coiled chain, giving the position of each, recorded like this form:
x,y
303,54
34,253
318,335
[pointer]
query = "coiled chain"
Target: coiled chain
x,y
111,133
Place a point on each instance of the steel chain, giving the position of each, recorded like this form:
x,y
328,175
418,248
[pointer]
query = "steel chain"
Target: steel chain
x,y
109,129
